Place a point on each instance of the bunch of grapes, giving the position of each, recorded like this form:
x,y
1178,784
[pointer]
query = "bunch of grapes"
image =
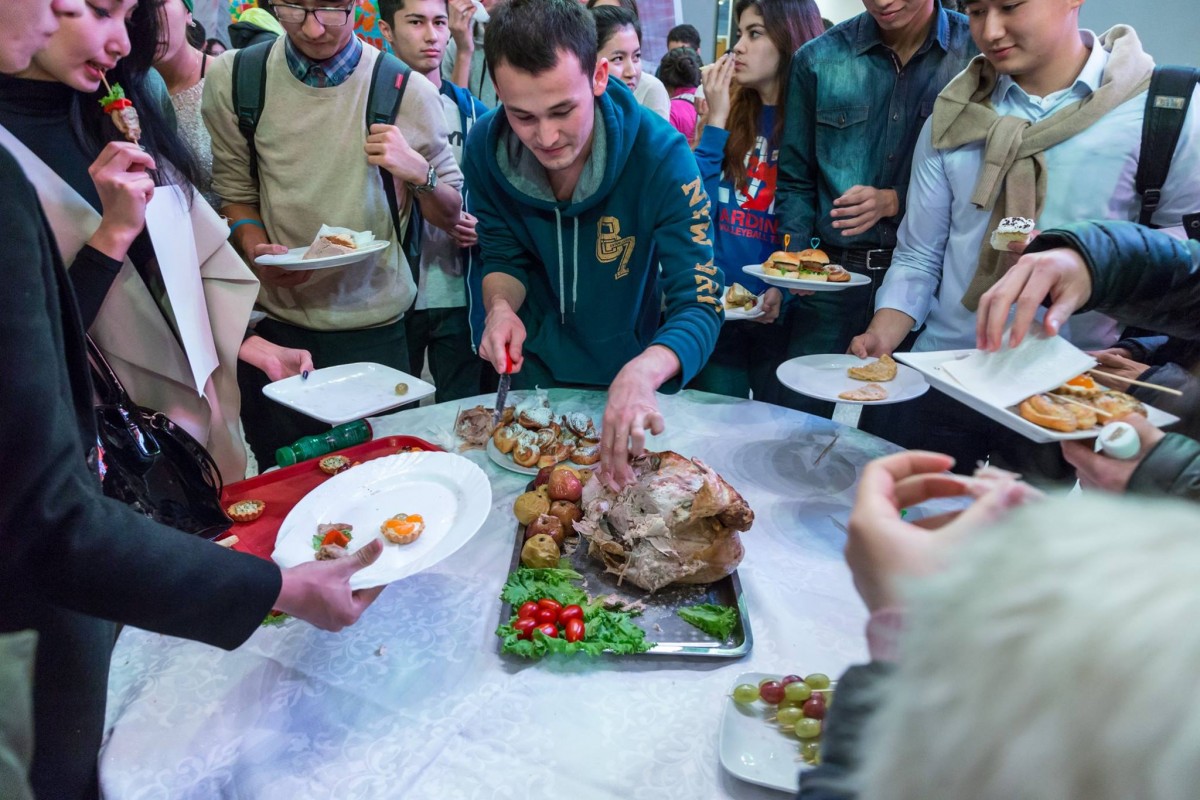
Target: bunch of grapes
x,y
800,706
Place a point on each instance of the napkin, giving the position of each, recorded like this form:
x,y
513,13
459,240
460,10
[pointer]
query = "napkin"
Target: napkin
x,y
1008,376
361,238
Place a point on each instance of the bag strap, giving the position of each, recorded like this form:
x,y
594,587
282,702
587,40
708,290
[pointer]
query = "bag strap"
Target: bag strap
x,y
107,384
250,93
1167,104
388,82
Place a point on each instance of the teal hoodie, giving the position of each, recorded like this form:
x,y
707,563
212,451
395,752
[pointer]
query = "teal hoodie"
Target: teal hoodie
x,y
591,266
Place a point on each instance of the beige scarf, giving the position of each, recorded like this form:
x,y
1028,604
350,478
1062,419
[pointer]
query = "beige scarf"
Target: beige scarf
x,y
1012,180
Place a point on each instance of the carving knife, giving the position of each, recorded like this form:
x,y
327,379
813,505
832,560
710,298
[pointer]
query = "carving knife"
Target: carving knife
x,y
502,389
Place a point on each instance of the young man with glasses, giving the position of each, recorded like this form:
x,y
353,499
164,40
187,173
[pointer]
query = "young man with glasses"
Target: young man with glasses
x,y
856,99
317,163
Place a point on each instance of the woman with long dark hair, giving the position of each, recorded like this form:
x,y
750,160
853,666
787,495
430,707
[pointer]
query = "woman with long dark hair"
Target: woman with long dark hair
x,y
95,186
619,39
738,153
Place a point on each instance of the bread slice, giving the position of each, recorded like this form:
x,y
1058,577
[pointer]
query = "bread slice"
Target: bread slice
x,y
871,393
882,371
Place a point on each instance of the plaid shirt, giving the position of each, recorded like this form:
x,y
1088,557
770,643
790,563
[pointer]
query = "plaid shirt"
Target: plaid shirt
x,y
321,74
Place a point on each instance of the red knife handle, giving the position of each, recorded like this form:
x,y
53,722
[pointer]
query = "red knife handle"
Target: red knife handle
x,y
508,362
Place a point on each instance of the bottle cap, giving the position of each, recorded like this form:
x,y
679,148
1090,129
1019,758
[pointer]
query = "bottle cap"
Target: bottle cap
x,y
285,456
1119,440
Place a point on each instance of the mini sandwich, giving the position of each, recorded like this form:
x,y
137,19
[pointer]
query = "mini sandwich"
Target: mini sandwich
x,y
334,244
782,264
1011,229
813,265
739,296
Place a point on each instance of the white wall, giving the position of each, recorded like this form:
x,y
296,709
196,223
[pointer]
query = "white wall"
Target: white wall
x,y
1169,29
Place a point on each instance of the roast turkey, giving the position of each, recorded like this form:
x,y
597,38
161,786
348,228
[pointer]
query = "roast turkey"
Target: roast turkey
x,y
678,523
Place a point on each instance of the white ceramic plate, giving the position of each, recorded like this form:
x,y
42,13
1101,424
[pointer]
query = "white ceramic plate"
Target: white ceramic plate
x,y
824,377
449,491
755,750
294,258
929,365
347,392
856,279
501,460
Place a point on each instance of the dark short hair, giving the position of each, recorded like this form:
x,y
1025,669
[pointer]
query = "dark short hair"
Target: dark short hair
x,y
630,4
388,9
611,19
680,68
528,34
685,33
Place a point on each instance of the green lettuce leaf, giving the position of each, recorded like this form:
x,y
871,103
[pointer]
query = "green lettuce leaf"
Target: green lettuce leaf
x,y
717,621
525,584
114,94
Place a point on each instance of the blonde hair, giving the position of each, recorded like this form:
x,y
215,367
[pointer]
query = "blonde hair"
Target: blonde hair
x,y
1058,658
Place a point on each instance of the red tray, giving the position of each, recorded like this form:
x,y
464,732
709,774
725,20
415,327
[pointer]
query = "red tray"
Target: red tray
x,y
281,489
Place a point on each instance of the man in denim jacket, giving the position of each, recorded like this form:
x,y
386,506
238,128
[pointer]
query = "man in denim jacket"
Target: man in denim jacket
x,y
857,98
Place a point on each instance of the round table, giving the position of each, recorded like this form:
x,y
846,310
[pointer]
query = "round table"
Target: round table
x,y
415,701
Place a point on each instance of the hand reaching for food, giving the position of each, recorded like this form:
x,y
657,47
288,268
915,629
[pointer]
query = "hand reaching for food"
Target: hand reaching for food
x,y
277,362
883,549
1060,275
632,410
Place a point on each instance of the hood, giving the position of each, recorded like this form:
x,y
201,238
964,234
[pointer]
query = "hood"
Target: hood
x,y
519,172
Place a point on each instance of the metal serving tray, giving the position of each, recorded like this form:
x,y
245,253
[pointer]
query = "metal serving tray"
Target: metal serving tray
x,y
672,636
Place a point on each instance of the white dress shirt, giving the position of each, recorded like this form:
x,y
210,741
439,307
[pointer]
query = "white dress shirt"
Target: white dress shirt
x,y
1089,176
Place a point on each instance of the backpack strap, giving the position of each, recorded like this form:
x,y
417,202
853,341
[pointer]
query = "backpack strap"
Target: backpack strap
x,y
1167,104
388,82
250,93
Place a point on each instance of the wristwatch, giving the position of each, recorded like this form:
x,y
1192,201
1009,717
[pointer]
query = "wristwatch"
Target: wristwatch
x,y
430,182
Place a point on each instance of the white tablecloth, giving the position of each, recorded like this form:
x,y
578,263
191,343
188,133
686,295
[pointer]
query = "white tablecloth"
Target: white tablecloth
x,y
416,702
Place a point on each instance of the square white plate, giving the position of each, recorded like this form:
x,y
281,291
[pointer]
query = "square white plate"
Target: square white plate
x,y
347,392
824,377
755,750
930,365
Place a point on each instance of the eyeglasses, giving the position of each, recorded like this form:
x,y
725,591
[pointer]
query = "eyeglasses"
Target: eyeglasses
x,y
298,15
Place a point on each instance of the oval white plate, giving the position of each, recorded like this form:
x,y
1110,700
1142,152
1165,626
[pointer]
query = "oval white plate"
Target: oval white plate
x,y
294,258
824,377
856,279
449,491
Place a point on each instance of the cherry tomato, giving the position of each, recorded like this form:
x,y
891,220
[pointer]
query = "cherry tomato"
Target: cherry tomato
x,y
546,616
569,613
527,610
550,629
525,628
574,629
551,603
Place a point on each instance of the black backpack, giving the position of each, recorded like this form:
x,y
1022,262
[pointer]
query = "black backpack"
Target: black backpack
x,y
1166,108
388,82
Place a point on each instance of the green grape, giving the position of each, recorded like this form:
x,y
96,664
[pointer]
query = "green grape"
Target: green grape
x,y
788,717
791,703
745,693
807,728
797,691
818,680
810,751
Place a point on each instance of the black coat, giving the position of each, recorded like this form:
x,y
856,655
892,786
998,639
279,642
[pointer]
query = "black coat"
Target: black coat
x,y
74,562
1147,279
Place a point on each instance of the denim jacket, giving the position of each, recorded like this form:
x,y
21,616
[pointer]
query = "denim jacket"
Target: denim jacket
x,y
853,116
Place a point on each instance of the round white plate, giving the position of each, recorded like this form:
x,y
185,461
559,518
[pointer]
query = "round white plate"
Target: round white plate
x,y
755,750
449,491
294,258
824,377
739,313
856,279
501,460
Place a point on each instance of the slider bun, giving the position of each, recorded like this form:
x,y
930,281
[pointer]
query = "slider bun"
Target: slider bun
x,y
813,256
784,257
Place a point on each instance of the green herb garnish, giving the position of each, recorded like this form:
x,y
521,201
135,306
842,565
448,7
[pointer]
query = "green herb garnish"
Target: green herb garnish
x,y
115,93
717,621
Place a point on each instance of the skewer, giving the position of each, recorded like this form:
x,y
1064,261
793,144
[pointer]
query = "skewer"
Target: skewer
x,y
1132,382
104,80
1093,409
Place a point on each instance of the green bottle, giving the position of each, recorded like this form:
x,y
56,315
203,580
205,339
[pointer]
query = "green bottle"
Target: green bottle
x,y
351,433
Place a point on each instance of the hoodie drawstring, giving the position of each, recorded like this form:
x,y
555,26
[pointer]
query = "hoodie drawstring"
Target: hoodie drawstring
x,y
562,289
575,277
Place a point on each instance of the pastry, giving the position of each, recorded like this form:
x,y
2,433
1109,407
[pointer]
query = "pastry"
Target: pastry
x,y
246,510
553,454
879,371
1085,415
526,451
1116,404
505,438
581,425
871,393
546,438
1011,229
336,244
332,465
403,528
835,273
1044,410
586,452
534,418
1082,386
738,296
